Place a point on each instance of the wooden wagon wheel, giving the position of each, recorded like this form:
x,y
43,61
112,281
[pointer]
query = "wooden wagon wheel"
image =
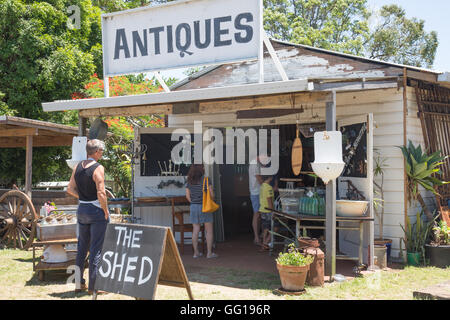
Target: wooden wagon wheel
x,y
18,220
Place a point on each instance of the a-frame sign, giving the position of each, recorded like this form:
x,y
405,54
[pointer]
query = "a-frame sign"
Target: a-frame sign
x,y
136,258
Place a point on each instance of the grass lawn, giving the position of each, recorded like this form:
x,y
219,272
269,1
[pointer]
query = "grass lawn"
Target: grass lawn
x,y
17,281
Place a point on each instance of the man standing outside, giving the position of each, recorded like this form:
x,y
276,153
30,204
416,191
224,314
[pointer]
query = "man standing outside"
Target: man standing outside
x,y
87,183
255,181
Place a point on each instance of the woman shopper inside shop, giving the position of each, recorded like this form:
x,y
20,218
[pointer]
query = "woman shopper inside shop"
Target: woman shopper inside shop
x,y
194,194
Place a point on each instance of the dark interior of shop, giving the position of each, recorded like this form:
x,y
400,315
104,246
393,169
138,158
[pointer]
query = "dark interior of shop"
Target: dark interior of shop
x,y
236,205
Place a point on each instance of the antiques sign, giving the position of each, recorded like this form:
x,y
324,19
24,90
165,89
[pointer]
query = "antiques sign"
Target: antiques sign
x,y
181,34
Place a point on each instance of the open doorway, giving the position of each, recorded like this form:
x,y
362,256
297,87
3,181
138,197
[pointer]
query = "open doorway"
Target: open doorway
x,y
234,180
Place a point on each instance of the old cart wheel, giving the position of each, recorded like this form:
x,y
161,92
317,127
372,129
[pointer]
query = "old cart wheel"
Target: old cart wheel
x,y
18,220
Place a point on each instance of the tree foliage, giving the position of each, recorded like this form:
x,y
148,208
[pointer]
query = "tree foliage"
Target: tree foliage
x,y
340,25
116,160
42,59
344,26
401,40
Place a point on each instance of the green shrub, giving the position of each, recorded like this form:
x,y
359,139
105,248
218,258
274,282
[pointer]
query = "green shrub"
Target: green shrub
x,y
294,257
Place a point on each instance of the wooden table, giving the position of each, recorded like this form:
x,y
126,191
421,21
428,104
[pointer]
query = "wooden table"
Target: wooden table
x,y
298,218
42,266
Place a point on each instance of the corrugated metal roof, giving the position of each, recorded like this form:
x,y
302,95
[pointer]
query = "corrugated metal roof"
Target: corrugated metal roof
x,y
356,57
345,55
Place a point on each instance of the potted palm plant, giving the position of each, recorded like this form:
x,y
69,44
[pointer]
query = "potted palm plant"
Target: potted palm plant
x,y
293,267
438,251
421,169
380,164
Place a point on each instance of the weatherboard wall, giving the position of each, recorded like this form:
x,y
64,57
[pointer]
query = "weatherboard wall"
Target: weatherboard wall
x,y
387,108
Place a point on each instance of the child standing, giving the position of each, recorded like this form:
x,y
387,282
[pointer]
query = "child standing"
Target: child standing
x,y
266,199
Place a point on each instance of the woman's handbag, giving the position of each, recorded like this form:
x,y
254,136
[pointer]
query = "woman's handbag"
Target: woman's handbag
x,y
208,203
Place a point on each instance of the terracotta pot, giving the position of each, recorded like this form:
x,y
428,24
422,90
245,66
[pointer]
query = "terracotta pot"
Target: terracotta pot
x,y
292,277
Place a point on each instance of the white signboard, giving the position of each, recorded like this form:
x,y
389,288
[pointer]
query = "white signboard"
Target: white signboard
x,y
180,34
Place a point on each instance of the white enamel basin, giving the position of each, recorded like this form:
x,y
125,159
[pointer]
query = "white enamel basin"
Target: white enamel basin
x,y
351,208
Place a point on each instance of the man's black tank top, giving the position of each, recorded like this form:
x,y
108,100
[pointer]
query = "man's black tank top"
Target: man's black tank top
x,y
87,190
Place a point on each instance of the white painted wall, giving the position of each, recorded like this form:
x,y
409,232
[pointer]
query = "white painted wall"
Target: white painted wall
x,y
414,133
146,186
387,108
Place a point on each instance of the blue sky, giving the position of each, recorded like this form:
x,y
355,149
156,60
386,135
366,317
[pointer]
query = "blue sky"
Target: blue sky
x,y
435,13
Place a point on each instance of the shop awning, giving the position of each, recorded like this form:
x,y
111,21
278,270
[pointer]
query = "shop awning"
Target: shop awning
x,y
14,131
163,102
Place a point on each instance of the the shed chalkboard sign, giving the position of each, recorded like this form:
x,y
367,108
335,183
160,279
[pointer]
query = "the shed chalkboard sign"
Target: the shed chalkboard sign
x,y
136,258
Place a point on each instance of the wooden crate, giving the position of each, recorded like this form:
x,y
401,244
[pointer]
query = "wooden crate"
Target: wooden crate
x,y
56,231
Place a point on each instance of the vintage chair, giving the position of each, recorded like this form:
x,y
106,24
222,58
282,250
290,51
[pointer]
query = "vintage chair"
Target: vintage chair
x,y
180,226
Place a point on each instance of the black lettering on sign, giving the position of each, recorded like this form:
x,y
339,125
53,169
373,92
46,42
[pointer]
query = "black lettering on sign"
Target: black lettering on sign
x,y
221,31
157,31
169,39
135,258
197,34
121,44
187,38
137,41
218,32
239,26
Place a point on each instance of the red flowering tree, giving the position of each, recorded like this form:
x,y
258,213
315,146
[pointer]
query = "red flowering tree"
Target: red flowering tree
x,y
116,161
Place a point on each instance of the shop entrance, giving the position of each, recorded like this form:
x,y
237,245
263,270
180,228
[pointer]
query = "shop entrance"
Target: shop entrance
x,y
234,180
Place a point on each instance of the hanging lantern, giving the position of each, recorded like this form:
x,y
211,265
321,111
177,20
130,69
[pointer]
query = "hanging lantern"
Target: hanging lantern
x,y
328,164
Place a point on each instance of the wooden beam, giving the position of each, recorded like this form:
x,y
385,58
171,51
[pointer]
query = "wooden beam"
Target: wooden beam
x,y
185,108
19,132
268,101
38,141
266,113
405,176
425,76
82,123
28,165
127,111
355,86
38,124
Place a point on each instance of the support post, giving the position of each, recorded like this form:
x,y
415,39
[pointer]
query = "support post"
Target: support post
x,y
330,223
405,176
371,243
275,58
28,165
261,45
106,86
82,124
161,81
